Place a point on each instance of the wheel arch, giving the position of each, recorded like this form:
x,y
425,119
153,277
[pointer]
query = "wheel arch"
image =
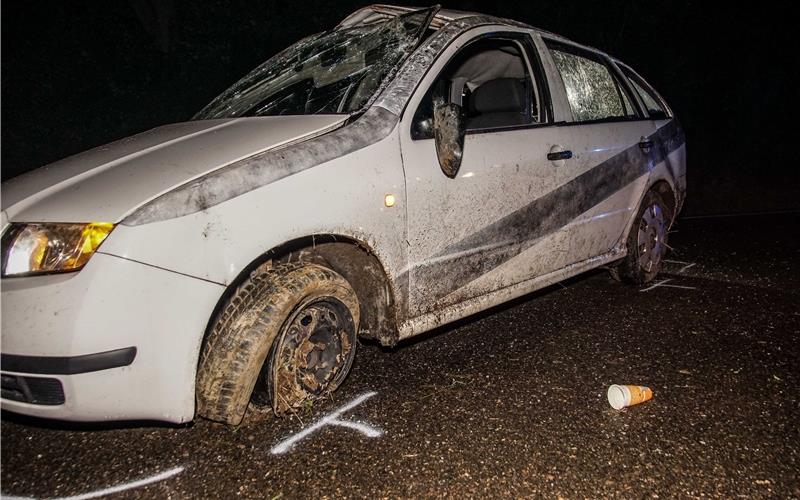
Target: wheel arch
x,y
666,191
667,194
352,258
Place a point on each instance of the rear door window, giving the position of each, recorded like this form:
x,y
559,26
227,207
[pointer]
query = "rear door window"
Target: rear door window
x,y
592,90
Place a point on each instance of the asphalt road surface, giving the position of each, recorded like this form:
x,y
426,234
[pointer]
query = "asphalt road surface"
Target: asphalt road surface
x,y
511,402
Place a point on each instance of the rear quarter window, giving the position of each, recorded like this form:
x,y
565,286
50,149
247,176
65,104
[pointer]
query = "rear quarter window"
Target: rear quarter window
x,y
652,102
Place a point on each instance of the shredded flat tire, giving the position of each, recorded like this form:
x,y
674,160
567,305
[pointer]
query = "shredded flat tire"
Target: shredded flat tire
x,y
245,330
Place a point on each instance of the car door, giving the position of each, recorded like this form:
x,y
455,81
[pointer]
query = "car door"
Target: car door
x,y
489,226
661,121
612,152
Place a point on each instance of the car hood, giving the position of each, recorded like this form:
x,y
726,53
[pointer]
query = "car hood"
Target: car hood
x,y
107,183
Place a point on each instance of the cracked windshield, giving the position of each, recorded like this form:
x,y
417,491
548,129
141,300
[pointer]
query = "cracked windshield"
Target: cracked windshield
x,y
333,72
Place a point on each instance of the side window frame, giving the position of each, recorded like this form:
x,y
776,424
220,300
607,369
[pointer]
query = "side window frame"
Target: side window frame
x,y
620,82
534,66
624,85
632,76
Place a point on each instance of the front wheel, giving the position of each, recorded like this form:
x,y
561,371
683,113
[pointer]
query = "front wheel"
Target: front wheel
x,y
311,355
646,242
285,337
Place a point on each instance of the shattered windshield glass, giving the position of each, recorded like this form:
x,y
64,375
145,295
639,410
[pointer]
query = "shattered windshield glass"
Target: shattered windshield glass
x,y
333,72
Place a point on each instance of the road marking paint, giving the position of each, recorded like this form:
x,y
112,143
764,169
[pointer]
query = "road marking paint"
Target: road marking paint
x,y
330,419
115,489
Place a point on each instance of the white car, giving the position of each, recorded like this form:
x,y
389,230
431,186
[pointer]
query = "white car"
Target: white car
x,y
402,171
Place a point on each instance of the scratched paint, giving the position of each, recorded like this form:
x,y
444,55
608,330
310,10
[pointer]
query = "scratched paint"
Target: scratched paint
x,y
332,419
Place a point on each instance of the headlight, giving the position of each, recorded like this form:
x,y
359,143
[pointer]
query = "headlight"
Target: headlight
x,y
50,248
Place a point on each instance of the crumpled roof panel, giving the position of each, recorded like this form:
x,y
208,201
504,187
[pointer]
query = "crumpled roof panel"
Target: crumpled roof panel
x,y
381,12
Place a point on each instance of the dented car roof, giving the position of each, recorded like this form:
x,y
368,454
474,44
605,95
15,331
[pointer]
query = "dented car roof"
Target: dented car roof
x,y
381,12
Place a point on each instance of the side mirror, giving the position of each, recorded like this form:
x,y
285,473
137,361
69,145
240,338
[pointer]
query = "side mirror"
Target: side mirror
x,y
448,131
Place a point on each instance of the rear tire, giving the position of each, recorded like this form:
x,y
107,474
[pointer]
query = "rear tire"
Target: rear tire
x,y
646,242
289,332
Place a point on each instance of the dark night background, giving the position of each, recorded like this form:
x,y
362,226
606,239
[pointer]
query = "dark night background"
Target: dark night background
x,y
79,74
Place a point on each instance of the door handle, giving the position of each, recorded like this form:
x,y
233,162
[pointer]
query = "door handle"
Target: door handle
x,y
559,155
645,144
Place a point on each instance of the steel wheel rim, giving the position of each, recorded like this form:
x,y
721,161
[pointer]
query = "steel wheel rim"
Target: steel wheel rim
x,y
651,238
314,352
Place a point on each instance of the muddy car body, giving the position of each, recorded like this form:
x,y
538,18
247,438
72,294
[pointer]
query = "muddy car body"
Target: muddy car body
x,y
404,170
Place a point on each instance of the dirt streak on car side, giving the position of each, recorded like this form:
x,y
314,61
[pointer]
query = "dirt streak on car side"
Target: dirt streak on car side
x,y
459,263
263,169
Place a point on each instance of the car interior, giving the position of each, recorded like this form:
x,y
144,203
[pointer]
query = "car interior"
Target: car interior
x,y
491,82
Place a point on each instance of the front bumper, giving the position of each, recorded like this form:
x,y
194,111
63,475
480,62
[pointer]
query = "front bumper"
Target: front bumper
x,y
121,338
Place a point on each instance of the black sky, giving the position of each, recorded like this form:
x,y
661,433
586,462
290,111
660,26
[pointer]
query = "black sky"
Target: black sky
x,y
79,74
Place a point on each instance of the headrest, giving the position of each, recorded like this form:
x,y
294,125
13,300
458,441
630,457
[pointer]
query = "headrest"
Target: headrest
x,y
500,95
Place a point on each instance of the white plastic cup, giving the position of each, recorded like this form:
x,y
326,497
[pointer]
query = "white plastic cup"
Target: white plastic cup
x,y
621,396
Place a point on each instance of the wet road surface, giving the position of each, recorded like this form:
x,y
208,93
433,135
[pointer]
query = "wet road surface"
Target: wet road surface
x,y
510,402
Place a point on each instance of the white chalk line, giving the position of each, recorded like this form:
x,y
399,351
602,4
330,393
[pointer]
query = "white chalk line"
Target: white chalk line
x,y
663,283
673,261
361,427
681,286
115,489
686,265
330,419
656,284
676,261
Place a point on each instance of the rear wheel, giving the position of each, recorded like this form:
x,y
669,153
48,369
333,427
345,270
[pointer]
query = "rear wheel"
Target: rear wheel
x,y
646,242
285,337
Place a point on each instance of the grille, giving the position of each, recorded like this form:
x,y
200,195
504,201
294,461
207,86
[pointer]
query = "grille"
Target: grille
x,y
34,390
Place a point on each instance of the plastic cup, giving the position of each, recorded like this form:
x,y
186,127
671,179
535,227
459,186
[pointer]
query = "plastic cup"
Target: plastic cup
x,y
621,396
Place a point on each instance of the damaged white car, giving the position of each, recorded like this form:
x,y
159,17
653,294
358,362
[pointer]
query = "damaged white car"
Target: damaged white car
x,y
401,171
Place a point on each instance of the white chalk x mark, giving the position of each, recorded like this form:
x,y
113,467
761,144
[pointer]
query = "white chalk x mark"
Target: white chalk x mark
x,y
331,419
115,489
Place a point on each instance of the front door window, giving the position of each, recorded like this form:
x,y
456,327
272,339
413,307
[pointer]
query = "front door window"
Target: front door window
x,y
491,80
